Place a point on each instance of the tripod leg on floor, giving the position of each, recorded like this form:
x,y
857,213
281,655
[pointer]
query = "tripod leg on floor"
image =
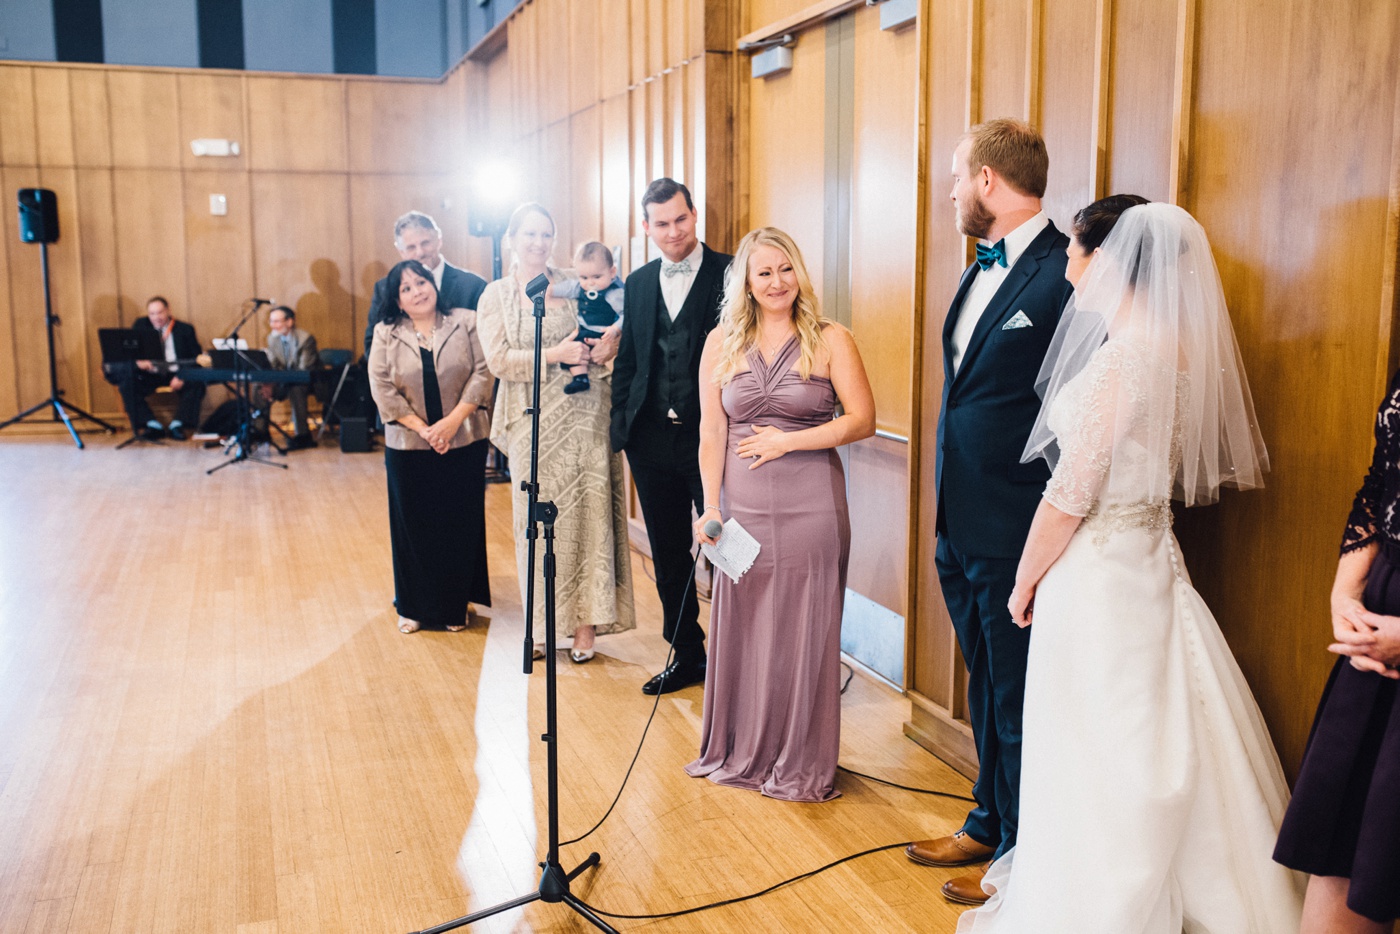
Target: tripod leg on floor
x,y
58,409
111,429
588,915
484,913
593,860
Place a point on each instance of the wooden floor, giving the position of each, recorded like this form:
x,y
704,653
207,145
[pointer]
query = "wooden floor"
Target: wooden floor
x,y
208,723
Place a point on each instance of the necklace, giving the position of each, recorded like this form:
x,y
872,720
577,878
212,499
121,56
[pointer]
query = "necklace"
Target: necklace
x,y
428,340
769,352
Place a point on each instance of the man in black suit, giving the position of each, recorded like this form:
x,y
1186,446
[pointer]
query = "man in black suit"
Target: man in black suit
x,y
995,337
416,236
139,381
670,306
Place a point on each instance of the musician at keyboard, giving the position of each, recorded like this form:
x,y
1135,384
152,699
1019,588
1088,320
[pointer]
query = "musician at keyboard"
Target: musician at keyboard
x,y
291,348
146,376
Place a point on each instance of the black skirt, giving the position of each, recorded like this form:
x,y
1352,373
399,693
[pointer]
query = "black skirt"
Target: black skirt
x,y
1344,819
437,526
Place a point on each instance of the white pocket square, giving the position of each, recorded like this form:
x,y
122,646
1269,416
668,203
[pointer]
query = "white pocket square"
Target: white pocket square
x,y
1018,320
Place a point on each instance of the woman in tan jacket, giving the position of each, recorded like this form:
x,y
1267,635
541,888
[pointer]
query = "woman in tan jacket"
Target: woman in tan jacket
x,y
429,378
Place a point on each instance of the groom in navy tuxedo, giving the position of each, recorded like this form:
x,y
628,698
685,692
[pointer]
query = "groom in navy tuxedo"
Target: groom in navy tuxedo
x,y
994,340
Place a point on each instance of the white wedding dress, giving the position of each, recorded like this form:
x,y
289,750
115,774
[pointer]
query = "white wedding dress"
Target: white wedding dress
x,y
1151,793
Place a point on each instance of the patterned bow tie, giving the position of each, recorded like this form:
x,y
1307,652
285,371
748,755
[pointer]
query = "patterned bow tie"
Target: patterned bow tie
x,y
987,255
676,269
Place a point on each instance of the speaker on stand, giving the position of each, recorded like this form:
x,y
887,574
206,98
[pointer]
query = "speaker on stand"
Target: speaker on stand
x,y
38,223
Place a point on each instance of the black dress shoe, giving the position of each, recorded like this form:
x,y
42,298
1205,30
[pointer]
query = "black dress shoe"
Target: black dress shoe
x,y
301,442
177,432
152,434
676,676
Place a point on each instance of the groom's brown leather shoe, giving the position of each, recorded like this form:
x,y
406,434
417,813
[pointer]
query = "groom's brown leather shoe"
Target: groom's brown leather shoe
x,y
957,850
965,890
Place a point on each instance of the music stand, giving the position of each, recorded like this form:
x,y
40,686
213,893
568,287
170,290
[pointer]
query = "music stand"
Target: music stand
x,y
121,349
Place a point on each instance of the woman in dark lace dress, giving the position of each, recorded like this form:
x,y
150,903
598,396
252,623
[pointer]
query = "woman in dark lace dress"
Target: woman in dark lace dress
x,y
1343,825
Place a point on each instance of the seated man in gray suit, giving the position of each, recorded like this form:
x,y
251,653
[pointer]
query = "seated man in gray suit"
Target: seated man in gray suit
x,y
291,348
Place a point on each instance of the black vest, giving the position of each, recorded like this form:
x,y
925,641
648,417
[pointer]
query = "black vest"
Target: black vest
x,y
672,384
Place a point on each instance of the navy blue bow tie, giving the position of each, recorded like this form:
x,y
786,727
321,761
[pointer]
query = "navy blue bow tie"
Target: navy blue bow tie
x,y
987,255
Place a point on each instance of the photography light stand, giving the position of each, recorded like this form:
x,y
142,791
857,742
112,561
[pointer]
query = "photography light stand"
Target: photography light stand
x,y
60,406
554,881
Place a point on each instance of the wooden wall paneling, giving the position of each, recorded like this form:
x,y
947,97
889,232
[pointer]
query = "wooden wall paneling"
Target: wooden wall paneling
x,y
883,215
677,28
1103,88
1298,290
145,109
586,50
53,120
301,251
101,295
641,172
296,124
555,75
219,252
212,107
1183,95
19,143
614,58
935,675
619,205
787,116
762,12
149,209
501,102
555,187
66,292
525,68
1005,49
658,123
22,306
1035,53
1067,112
695,77
585,169
395,127
698,27
1140,102
726,108
680,125
91,117
658,12
640,12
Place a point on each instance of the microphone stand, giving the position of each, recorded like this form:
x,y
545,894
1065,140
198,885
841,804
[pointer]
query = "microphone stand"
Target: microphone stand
x,y
242,389
554,881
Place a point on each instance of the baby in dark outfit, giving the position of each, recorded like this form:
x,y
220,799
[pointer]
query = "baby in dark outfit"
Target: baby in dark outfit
x,y
599,294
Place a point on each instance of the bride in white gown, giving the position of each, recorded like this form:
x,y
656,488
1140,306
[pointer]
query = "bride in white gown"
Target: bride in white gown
x,y
1151,793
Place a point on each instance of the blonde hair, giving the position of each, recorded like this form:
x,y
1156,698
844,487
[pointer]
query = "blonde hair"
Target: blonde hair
x,y
739,316
1013,149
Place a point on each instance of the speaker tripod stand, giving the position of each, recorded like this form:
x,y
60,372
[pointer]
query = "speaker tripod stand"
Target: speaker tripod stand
x,y
61,407
554,880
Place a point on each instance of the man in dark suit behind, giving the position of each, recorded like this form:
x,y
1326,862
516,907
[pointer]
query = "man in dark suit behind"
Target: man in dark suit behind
x,y
670,306
995,338
417,236
138,381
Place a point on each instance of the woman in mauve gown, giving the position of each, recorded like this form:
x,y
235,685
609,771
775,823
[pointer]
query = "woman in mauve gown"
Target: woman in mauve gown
x,y
771,377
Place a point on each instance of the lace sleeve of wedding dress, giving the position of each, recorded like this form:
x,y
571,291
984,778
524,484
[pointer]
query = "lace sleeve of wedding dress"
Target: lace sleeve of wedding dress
x,y
1096,414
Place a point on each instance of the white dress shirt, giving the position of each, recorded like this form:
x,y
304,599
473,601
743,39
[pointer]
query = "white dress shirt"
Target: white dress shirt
x,y
987,281
674,289
437,273
169,341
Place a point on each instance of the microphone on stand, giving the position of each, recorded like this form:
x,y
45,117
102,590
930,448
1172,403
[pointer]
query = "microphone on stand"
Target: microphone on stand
x,y
263,301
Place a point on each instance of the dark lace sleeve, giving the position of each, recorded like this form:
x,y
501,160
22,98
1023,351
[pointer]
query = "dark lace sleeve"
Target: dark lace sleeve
x,y
1364,523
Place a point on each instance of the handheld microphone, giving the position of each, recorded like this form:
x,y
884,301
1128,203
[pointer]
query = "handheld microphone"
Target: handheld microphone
x,y
713,528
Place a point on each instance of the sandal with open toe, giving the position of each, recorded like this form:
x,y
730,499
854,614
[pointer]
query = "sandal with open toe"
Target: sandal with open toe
x,y
407,626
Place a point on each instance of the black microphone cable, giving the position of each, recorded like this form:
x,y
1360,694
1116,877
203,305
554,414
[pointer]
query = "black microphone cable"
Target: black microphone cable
x,y
670,654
